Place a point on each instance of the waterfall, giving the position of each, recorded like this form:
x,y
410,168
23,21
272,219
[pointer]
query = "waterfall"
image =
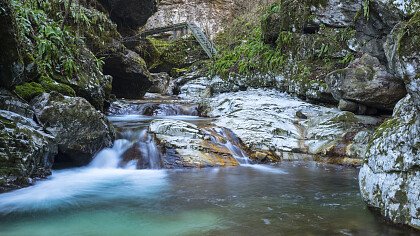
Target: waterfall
x,y
227,138
109,158
137,150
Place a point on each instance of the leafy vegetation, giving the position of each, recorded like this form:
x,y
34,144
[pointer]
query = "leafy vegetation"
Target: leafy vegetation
x,y
58,50
301,56
250,56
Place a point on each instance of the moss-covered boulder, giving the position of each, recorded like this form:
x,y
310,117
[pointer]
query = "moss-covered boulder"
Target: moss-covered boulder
x,y
57,56
367,82
26,151
11,63
79,129
179,53
390,177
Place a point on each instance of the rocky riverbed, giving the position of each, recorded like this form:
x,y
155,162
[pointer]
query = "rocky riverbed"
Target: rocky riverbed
x,y
82,96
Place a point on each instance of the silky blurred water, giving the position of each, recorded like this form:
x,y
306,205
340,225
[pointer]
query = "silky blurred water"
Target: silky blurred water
x,y
289,199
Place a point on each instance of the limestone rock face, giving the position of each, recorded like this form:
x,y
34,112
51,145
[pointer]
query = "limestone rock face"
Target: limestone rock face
x,y
207,14
270,121
131,79
189,146
371,32
130,14
26,151
79,129
367,82
390,178
401,50
337,13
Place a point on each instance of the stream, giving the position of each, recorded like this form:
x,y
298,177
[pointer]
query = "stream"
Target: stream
x,y
113,196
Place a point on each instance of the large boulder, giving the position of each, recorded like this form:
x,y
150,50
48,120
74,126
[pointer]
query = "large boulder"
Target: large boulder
x,y
131,79
26,151
366,81
79,129
11,63
187,145
130,14
390,178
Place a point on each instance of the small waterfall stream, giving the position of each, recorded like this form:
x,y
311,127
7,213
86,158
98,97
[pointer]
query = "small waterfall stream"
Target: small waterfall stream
x,y
137,149
228,139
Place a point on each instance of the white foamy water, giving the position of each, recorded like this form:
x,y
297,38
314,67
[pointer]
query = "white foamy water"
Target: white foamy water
x,y
84,186
111,157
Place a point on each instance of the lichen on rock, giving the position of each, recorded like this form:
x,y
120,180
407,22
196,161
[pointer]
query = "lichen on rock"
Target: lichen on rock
x,y
26,151
389,179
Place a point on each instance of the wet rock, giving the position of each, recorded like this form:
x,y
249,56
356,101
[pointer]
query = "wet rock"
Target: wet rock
x,y
265,120
26,151
161,83
300,115
390,179
11,63
187,146
367,82
153,108
79,129
130,14
196,89
10,102
131,79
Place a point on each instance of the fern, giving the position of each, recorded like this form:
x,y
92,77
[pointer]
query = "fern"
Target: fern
x,y
366,9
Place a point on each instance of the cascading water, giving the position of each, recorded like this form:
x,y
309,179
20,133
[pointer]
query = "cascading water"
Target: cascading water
x,y
227,138
112,197
137,150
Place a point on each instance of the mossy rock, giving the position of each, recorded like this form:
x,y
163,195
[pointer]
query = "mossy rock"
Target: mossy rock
x,y
288,15
50,85
30,90
178,53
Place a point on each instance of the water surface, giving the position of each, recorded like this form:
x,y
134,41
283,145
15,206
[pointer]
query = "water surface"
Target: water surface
x,y
290,199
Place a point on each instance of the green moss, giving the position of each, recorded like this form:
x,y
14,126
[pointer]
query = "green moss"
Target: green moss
x,y
28,91
50,85
409,36
61,53
7,123
178,53
177,72
386,127
344,117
